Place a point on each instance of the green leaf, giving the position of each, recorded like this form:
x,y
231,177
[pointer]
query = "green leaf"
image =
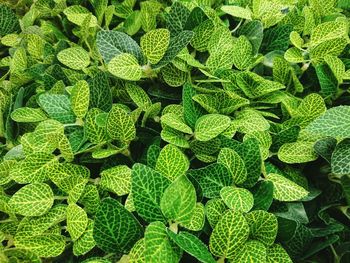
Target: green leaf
x,y
242,56
263,195
115,229
179,200
147,188
158,246
263,226
172,162
192,111
120,125
202,34
75,58
238,199
92,131
327,80
113,43
137,253
229,234
210,126
177,18
237,11
297,152
176,44
138,96
197,220
214,209
32,200
154,44
212,179
80,96
44,245
251,251
117,179
100,92
8,21
253,30
57,106
192,245
125,66
86,242
277,254
77,14
174,121
285,189
340,162
27,114
33,169
328,31
77,221
334,123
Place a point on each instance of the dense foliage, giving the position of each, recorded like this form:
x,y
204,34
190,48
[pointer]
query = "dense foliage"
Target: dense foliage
x,y
174,131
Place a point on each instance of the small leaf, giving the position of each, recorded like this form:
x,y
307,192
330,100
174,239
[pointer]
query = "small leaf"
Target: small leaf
x,y
32,200
229,234
211,125
154,44
125,66
77,221
172,162
75,58
285,189
214,209
238,199
86,242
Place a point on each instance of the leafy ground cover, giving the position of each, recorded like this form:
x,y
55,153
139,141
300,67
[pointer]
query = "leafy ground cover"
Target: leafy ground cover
x,y
174,131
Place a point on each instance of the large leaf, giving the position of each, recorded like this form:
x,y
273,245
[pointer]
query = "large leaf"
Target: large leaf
x,y
147,189
334,123
32,200
57,106
263,226
212,179
77,221
117,179
26,114
297,152
229,234
238,199
234,164
125,66
74,58
113,43
210,126
192,245
171,162
154,44
285,189
80,97
115,229
159,247
120,125
179,200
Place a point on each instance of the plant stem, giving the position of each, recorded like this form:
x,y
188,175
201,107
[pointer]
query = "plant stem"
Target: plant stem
x,y
174,227
221,260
